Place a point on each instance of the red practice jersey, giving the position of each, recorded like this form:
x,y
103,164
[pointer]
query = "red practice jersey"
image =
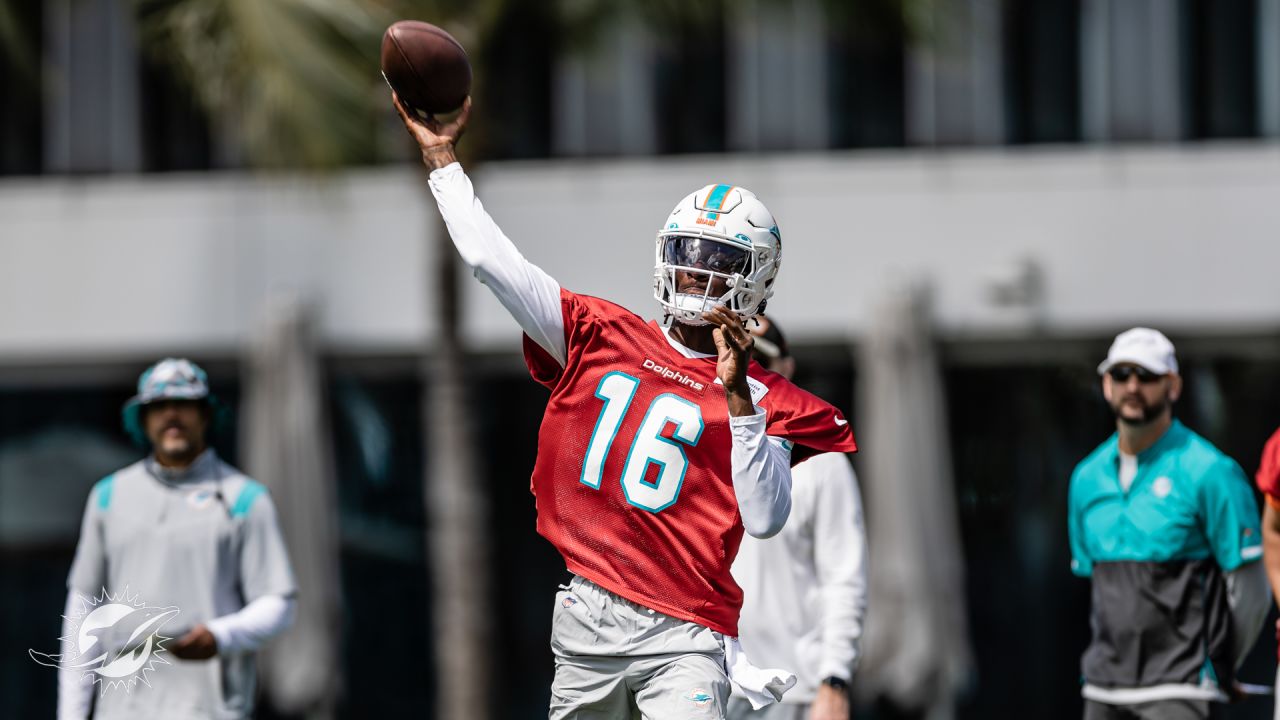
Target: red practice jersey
x,y
1269,472
633,481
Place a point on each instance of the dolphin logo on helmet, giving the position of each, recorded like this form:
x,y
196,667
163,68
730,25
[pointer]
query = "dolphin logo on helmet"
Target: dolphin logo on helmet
x,y
720,231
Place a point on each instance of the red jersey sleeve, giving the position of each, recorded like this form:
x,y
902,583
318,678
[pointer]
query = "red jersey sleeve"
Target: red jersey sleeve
x,y
1268,477
542,367
813,424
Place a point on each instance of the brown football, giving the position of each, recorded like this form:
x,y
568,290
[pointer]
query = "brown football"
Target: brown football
x,y
426,67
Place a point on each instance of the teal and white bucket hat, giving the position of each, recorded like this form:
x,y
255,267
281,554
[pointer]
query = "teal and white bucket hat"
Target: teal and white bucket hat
x,y
169,379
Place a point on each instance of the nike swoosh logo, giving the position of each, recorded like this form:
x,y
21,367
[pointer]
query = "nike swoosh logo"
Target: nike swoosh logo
x,y
841,421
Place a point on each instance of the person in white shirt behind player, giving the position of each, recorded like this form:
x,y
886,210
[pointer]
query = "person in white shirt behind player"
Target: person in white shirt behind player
x,y
805,589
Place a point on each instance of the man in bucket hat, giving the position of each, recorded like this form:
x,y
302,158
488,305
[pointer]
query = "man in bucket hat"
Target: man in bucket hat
x,y
193,547
1165,526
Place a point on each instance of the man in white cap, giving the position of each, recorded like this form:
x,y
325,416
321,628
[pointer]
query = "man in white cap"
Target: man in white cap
x,y
182,545
1165,526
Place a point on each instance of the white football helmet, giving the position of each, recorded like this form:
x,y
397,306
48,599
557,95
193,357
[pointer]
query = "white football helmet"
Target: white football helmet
x,y
719,232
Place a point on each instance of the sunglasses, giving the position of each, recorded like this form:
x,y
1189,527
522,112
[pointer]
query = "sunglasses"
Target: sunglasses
x,y
1122,374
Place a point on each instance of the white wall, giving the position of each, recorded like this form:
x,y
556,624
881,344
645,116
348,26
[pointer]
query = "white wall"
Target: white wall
x,y
1180,237
1184,238
142,266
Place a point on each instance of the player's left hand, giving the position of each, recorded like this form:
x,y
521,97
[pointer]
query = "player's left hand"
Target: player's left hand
x,y
733,353
830,704
198,644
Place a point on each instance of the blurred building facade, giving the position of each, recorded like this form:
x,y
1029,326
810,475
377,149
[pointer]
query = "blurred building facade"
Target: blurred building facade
x,y
1053,171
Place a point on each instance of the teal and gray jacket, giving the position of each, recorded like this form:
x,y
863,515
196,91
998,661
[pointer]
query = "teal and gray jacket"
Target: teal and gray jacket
x,y
1157,555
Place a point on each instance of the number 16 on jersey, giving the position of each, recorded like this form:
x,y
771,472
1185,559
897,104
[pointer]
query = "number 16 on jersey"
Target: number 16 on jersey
x,y
648,447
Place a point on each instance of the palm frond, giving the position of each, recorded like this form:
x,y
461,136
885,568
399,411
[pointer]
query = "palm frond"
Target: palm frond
x,y
292,80
296,82
17,51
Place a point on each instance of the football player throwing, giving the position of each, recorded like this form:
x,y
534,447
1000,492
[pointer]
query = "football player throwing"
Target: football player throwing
x,y
660,444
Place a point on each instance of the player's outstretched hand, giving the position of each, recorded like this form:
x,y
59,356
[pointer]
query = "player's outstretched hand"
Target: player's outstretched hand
x,y
733,352
435,138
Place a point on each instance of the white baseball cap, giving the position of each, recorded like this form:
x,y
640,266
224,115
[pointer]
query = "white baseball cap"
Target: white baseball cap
x,y
1143,347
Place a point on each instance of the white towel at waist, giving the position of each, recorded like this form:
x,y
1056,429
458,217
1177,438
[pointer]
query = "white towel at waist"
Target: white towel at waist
x,y
760,686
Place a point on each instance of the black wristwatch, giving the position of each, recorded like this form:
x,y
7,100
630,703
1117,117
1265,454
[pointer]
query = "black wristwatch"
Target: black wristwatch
x,y
838,683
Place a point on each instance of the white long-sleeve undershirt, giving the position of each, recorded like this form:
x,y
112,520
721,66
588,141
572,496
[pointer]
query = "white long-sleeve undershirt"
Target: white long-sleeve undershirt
x,y
761,467
529,294
252,625
75,690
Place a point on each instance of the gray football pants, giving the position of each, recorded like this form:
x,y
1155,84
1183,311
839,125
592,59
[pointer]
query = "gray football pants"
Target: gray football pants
x,y
617,659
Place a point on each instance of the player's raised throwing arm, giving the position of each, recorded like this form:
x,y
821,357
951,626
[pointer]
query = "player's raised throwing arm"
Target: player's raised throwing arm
x,y
529,294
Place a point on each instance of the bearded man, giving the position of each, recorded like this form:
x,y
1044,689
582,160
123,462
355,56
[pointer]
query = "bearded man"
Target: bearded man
x,y
1165,526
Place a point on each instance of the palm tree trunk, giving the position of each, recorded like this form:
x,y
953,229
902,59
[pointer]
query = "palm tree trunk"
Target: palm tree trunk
x,y
456,511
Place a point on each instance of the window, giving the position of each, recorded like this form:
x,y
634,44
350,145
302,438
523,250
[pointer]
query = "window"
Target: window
x,y
689,94
866,78
379,453
1132,65
1016,433
21,115
1220,43
517,84
175,131
1042,70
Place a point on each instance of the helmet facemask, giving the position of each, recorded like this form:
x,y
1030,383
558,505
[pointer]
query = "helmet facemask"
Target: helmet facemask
x,y
707,259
